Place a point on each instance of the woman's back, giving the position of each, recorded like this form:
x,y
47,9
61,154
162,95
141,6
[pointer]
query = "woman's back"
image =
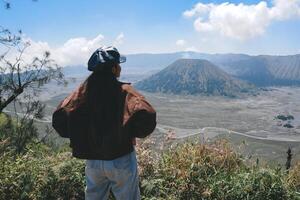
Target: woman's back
x,y
105,102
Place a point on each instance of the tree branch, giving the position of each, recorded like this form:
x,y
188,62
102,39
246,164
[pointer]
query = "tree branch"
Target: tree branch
x,y
16,93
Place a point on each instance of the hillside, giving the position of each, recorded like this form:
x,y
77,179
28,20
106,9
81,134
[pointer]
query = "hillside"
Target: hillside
x,y
193,76
184,171
180,169
253,70
266,70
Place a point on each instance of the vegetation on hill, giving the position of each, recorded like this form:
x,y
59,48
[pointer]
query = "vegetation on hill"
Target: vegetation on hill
x,y
215,171
183,171
285,118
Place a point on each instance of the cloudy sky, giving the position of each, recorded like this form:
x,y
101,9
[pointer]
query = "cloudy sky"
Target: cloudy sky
x,y
72,29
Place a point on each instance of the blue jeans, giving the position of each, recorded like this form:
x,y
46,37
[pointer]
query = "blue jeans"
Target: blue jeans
x,y
119,175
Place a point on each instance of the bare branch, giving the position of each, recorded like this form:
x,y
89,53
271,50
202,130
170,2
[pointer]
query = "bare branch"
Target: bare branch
x,y
21,76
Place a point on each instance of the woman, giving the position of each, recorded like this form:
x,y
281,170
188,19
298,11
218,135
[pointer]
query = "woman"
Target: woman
x,y
111,163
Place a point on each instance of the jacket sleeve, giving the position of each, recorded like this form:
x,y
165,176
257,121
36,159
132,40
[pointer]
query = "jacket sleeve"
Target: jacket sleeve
x,y
139,115
142,124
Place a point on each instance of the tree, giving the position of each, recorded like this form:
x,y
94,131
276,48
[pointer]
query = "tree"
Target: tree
x,y
20,85
17,76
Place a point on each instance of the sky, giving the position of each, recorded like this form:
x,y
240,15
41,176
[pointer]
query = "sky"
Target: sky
x,y
72,29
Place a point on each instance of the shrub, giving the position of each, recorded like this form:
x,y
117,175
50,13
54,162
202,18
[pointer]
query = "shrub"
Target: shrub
x,y
185,171
215,171
287,125
293,178
15,135
252,184
284,118
41,174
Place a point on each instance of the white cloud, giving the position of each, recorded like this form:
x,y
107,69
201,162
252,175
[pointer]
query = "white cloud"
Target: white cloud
x,y
241,21
192,48
74,51
199,8
119,40
285,9
180,42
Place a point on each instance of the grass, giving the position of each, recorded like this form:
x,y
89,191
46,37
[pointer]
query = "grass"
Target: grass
x,y
3,119
214,171
184,170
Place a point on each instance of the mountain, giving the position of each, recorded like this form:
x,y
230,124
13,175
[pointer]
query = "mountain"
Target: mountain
x,y
193,76
259,70
253,70
149,62
284,69
266,70
76,71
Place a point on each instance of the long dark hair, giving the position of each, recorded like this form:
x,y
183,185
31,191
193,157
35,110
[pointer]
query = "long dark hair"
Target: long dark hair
x,y
104,105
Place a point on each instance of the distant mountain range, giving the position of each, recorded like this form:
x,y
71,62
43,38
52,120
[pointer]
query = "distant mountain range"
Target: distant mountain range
x,y
193,76
76,71
258,70
159,61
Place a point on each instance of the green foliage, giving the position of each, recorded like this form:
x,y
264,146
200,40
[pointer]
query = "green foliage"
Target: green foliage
x,y
255,184
293,179
15,135
288,125
5,129
195,171
41,174
285,118
186,171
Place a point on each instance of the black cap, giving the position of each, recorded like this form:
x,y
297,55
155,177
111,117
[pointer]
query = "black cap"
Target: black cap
x,y
103,56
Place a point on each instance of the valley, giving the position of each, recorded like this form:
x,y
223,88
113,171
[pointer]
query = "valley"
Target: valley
x,y
252,115
201,108
206,118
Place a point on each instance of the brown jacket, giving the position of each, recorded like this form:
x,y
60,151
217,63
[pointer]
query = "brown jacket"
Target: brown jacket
x,y
71,120
138,113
